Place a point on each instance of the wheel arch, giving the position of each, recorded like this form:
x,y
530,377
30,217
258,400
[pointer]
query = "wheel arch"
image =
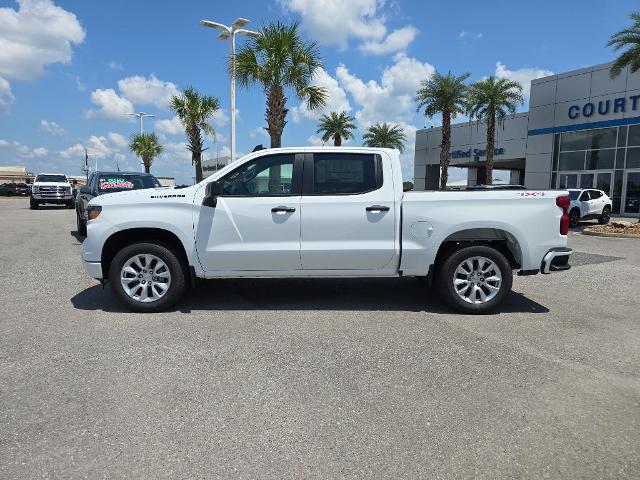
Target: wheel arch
x,y
122,238
497,238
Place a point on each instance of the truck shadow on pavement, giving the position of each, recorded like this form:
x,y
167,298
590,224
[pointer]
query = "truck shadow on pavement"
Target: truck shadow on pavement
x,y
361,294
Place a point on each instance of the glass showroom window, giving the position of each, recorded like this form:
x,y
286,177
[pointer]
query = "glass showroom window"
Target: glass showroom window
x,y
586,159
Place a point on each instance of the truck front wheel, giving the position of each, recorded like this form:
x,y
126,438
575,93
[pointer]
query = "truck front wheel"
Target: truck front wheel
x,y
475,279
147,277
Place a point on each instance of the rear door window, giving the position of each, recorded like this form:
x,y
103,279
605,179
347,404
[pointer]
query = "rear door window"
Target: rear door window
x,y
344,174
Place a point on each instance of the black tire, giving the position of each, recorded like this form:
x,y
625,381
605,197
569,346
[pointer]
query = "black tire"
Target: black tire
x,y
574,218
71,204
606,216
446,274
33,205
81,225
176,268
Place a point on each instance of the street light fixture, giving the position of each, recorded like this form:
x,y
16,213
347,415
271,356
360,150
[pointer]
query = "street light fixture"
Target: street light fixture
x,y
141,115
229,33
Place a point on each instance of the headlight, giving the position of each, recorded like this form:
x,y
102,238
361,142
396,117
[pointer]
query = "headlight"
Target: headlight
x,y
35,189
93,211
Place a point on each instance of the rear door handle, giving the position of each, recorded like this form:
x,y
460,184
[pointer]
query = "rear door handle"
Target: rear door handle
x,y
377,208
283,210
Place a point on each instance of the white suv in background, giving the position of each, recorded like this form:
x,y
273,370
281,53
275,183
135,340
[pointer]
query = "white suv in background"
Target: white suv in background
x,y
589,204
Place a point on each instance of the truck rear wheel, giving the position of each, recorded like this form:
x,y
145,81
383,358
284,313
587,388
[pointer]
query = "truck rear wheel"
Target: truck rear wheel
x,y
147,277
475,279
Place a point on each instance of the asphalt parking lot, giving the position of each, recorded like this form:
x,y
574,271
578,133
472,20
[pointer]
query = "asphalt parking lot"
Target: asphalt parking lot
x,y
314,378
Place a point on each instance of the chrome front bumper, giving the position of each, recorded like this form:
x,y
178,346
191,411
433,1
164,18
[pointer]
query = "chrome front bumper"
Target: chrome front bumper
x,y
556,259
52,197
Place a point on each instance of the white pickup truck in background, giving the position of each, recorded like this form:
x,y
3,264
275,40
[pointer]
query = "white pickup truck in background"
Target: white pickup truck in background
x,y
322,212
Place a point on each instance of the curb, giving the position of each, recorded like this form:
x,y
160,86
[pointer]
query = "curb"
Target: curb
x,y
588,231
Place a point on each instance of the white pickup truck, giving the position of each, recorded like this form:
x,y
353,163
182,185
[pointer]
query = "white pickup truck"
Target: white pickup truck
x,y
322,212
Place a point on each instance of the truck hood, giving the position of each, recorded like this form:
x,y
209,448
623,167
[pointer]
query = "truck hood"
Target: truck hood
x,y
51,184
146,195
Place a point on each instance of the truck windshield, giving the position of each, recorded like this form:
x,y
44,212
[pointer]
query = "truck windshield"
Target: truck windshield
x,y
51,178
574,194
119,183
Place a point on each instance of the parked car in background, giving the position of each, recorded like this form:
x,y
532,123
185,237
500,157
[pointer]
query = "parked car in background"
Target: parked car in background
x,y
322,212
101,183
589,204
51,188
15,189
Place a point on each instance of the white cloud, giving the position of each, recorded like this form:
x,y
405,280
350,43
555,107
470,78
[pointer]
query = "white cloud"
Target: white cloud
x,y
113,65
396,41
26,152
79,85
392,98
39,33
336,98
4,143
315,141
97,146
112,106
221,117
522,76
6,97
467,36
51,127
117,140
171,126
334,22
259,132
40,152
147,91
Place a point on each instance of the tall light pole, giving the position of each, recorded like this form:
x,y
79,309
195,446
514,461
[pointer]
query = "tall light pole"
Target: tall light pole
x,y
141,115
229,33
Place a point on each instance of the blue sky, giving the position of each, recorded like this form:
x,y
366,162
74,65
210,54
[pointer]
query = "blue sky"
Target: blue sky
x,y
70,69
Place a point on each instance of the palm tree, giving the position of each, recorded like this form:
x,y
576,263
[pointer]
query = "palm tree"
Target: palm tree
x,y
384,136
195,111
627,37
491,100
444,94
279,60
147,147
336,125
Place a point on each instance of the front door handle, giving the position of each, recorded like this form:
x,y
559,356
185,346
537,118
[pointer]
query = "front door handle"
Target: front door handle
x,y
283,210
377,208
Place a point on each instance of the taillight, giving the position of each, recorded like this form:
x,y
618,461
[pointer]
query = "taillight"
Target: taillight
x,y
563,202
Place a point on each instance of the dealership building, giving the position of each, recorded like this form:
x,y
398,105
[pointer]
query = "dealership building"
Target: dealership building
x,y
582,130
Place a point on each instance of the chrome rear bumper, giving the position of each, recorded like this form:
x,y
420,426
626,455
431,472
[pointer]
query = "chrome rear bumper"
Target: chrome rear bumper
x,y
555,260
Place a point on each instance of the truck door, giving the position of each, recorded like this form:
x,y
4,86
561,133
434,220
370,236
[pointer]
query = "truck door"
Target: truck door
x,y
255,225
348,212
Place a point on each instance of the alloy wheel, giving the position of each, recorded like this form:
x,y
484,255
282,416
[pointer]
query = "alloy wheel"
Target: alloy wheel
x,y
145,278
477,280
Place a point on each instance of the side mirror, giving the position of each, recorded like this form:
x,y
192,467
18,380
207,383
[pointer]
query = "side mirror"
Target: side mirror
x,y
212,191
85,190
